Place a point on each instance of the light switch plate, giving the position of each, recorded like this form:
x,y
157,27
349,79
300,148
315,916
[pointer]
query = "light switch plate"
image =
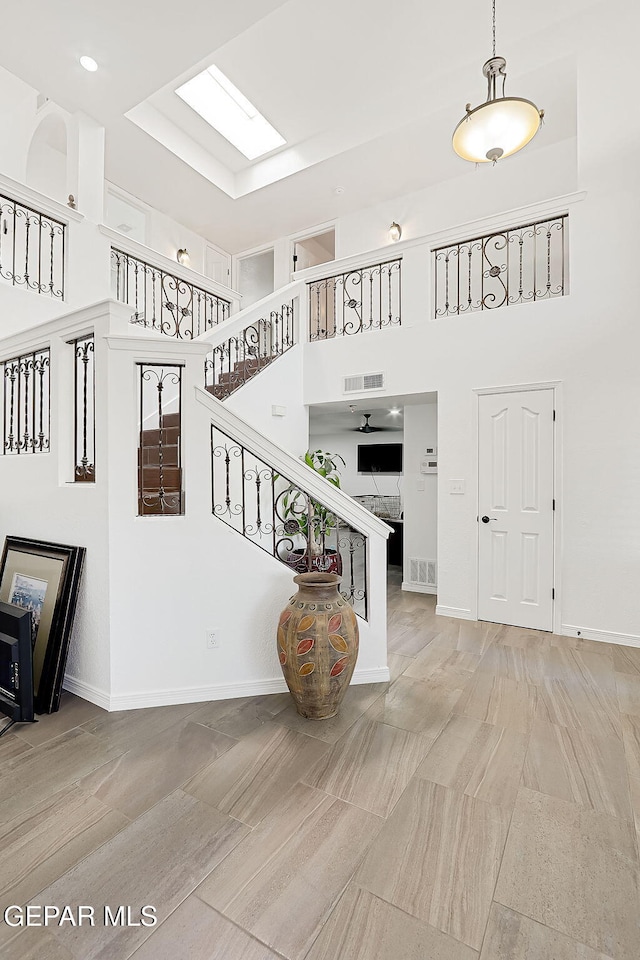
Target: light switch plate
x,y
456,486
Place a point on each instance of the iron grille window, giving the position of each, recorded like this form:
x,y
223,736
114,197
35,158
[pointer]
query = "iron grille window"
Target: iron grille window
x,y
26,403
166,303
160,440
84,419
31,249
354,302
500,269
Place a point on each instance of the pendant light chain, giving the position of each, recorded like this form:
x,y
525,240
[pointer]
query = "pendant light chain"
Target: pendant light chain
x,y
494,28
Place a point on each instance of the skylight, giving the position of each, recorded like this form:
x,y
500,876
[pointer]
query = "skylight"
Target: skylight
x,y
223,107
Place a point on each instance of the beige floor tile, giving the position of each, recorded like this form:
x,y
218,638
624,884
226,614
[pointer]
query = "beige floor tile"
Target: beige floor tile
x,y
437,858
363,927
39,846
249,780
408,636
626,659
195,931
631,738
417,705
572,704
514,663
439,661
370,766
634,783
159,859
580,667
282,880
476,758
72,713
134,781
574,870
12,746
123,727
581,645
31,778
628,686
507,703
469,636
397,665
510,936
578,766
35,943
237,718
358,699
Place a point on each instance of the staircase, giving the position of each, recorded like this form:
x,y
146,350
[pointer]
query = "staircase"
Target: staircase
x,y
228,381
159,470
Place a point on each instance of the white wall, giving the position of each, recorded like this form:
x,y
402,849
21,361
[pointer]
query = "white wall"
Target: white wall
x,y
420,490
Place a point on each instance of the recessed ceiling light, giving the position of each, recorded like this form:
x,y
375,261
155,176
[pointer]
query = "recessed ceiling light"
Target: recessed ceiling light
x,y
395,411
89,64
212,95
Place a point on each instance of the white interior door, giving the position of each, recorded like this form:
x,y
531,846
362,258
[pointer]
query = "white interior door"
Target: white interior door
x,y
515,464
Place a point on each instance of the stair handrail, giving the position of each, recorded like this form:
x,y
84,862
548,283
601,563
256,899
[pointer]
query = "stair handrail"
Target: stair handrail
x,y
238,322
288,464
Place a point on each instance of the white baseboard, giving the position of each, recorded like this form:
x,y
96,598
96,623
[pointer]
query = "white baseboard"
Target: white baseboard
x,y
87,691
605,636
418,587
223,691
459,612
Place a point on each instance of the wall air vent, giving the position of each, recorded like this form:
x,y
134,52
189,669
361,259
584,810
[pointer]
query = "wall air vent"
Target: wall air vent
x,y
422,572
364,381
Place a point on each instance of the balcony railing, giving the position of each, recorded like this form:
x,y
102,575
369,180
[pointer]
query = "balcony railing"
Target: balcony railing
x,y
284,520
501,269
84,421
160,487
164,302
232,363
32,249
26,403
363,299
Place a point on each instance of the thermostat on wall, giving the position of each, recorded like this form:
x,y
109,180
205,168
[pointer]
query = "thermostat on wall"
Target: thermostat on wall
x,y
429,465
431,452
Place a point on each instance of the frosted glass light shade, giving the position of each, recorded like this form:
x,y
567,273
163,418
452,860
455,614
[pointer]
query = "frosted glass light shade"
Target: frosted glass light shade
x,y
496,129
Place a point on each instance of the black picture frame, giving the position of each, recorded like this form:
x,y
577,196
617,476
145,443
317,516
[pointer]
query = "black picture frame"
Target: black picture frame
x,y
16,664
44,577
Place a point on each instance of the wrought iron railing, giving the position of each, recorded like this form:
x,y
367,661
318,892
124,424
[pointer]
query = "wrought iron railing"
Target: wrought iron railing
x,y
31,248
26,403
232,363
164,302
160,440
284,520
502,268
367,298
84,422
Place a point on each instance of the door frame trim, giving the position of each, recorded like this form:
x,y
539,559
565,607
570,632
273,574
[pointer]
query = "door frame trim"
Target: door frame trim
x,y
556,387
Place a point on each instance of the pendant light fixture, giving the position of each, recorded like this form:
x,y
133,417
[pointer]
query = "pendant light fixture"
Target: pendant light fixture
x,y
500,126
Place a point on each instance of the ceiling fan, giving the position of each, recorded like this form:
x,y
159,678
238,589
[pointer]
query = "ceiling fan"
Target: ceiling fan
x,y
366,426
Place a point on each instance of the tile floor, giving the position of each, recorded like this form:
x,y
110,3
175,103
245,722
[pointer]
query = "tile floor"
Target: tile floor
x,y
479,808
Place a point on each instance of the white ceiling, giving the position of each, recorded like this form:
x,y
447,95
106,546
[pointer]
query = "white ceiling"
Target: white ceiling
x,y
366,94
327,418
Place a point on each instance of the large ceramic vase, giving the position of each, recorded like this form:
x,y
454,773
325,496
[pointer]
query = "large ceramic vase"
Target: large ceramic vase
x,y
318,645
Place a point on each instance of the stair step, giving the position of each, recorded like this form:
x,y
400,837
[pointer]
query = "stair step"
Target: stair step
x,y
171,478
171,420
151,455
151,438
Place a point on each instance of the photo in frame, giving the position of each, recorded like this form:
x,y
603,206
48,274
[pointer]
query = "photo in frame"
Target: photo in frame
x,y
44,578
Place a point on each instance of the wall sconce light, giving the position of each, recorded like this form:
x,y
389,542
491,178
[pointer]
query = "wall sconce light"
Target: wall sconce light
x,y
182,256
395,231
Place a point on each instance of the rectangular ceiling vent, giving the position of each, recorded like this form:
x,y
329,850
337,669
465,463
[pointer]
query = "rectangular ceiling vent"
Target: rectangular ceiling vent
x,y
364,381
422,572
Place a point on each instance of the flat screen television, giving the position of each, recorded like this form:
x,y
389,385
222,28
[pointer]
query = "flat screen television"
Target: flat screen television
x,y
379,458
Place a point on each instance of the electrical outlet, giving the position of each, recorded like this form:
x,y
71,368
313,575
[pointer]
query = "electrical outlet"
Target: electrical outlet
x,y
212,640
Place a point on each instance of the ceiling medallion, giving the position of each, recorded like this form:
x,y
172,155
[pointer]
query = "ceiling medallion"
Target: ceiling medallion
x,y
501,125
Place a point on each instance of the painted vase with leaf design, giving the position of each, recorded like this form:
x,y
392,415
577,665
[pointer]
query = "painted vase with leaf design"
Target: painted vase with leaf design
x,y
318,645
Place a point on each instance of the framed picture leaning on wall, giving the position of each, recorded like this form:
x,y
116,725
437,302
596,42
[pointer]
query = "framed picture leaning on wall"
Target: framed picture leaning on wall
x,y
44,578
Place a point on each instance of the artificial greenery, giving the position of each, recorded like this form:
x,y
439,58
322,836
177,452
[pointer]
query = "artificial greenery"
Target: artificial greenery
x,y
299,508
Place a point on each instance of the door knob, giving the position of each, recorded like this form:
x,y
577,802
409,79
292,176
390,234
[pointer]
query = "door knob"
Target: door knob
x,y
486,519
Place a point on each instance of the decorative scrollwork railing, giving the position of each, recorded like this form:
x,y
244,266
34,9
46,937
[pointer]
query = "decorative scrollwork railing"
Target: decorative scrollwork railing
x,y
84,422
241,357
284,520
162,301
26,403
502,268
160,440
31,249
367,298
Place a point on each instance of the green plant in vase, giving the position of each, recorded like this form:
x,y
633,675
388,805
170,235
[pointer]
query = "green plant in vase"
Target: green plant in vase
x,y
313,521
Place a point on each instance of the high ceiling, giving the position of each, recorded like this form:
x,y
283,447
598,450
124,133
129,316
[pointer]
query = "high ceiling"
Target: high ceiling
x,y
366,94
